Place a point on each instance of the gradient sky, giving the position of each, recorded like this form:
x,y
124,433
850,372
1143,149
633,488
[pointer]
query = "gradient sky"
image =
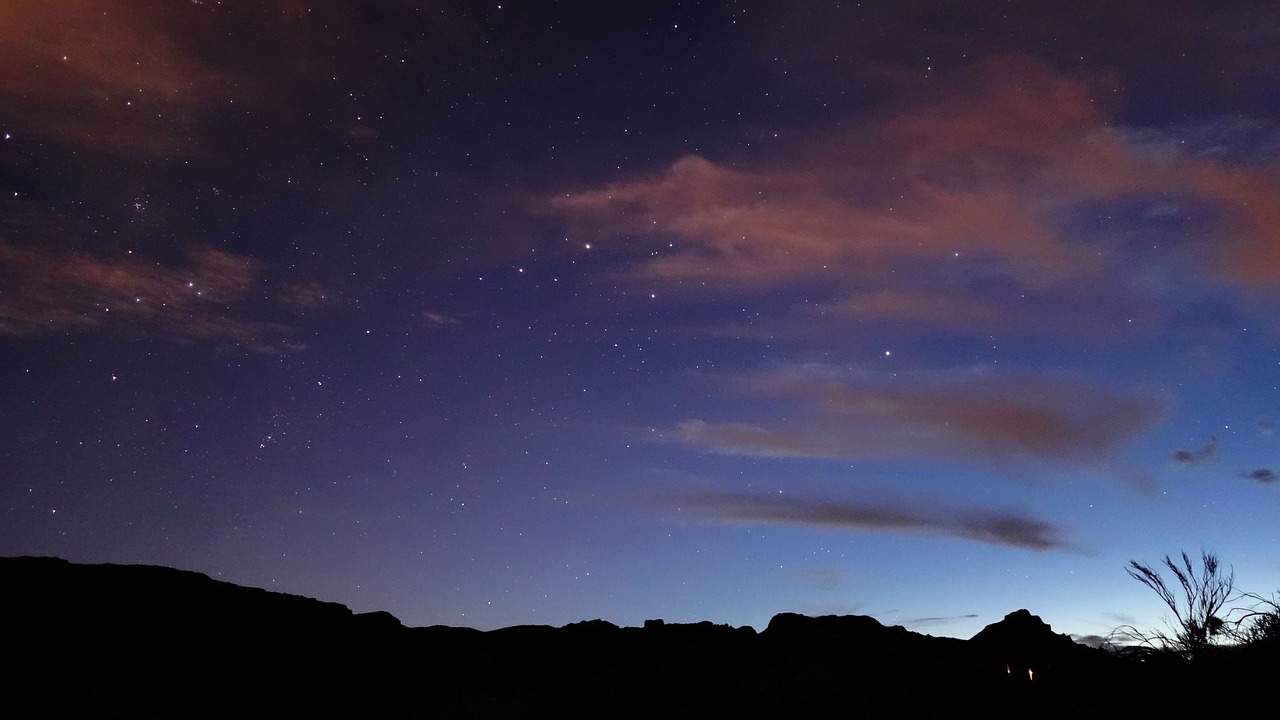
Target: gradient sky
x,y
533,312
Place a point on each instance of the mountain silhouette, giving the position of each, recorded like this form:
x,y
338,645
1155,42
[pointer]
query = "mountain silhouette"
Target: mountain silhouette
x,y
142,641
1029,647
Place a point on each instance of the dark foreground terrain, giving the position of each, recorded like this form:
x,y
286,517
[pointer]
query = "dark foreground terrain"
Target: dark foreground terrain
x,y
139,641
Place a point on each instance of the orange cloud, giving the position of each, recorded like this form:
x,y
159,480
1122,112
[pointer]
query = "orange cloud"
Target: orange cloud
x,y
131,78
42,291
947,179
109,73
986,167
857,415
1250,227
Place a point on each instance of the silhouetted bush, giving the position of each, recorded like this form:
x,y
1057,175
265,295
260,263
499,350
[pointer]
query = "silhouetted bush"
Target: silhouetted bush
x,y
1196,598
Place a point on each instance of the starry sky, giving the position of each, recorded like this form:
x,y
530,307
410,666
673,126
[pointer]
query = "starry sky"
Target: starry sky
x,y
498,313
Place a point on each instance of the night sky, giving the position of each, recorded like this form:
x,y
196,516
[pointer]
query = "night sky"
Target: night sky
x,y
522,312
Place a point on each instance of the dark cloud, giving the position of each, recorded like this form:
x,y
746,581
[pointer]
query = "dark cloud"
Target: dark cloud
x,y
993,528
1093,641
1197,457
938,620
851,414
1184,56
43,291
1262,475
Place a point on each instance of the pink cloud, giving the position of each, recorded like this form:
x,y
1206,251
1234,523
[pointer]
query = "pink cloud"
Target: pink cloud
x,y
985,166
106,73
858,415
127,78
44,291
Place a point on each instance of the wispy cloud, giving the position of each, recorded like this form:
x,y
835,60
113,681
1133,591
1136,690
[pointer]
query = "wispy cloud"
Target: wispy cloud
x,y
437,319
820,579
913,305
938,620
44,291
848,414
993,528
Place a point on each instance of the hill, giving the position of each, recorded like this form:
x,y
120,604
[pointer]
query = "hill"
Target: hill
x,y
141,641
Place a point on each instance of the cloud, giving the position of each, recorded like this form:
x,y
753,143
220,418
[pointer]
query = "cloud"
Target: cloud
x,y
953,178
129,79
737,438
1262,475
868,317
303,295
106,73
820,579
1194,46
1197,457
985,171
438,319
43,291
938,620
1093,641
852,414
992,528
914,305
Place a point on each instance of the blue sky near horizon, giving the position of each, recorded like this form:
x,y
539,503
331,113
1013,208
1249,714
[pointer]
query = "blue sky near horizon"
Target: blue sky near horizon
x,y
533,312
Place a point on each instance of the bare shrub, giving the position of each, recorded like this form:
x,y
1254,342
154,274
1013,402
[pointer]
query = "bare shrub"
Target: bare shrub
x,y
1196,598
